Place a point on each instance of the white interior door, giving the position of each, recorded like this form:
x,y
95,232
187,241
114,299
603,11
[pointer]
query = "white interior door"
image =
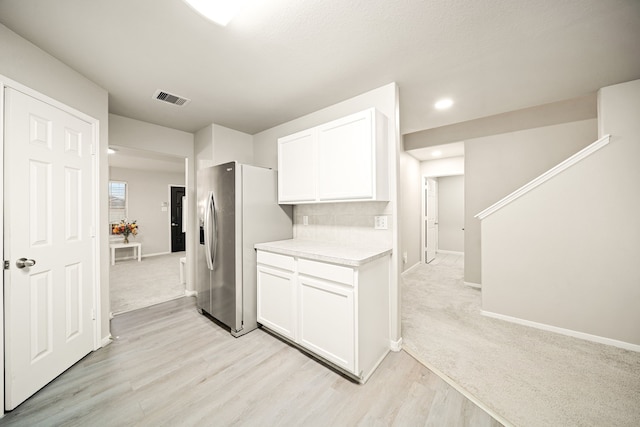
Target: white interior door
x,y
49,225
431,219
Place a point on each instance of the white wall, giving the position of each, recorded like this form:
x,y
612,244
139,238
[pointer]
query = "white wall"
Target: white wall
x,y
203,148
499,164
230,145
147,191
27,64
126,132
410,212
385,99
443,167
215,144
566,254
451,213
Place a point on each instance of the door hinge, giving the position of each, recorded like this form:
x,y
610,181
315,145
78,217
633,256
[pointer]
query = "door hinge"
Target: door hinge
x,y
92,231
93,149
7,265
93,314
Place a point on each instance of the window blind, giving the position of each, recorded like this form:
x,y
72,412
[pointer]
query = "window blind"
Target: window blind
x,y
117,201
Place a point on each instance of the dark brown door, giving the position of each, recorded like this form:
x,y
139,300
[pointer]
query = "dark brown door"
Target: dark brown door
x,y
177,235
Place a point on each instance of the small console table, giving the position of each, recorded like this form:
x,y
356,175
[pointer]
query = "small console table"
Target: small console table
x,y
137,248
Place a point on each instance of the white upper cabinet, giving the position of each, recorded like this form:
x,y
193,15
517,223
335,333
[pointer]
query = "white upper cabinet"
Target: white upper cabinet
x,y
343,160
297,168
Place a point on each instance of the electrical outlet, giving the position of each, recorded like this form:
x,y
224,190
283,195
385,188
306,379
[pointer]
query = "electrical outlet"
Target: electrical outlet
x,y
404,257
380,222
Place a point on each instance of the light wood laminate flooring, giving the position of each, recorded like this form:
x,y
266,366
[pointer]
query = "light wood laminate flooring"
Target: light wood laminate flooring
x,y
169,365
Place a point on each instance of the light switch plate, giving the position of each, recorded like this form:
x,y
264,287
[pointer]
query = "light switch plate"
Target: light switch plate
x,y
305,220
380,222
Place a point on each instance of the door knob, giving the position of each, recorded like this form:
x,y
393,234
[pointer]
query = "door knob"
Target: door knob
x,y
174,224
23,262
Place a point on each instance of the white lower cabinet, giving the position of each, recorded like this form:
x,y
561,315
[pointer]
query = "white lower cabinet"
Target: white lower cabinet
x,y
277,293
339,313
327,322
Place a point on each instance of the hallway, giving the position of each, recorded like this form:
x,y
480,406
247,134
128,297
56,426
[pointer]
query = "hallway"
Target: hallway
x,y
522,376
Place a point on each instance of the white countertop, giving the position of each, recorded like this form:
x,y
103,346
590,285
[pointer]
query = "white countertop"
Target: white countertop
x,y
337,253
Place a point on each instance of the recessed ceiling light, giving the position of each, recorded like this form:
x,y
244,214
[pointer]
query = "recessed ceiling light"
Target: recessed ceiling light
x,y
111,151
219,11
436,153
443,104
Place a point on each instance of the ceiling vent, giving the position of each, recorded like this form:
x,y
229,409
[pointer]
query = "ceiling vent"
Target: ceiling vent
x,y
161,95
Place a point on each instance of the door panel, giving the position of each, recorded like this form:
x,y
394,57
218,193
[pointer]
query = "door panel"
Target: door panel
x,y
73,203
40,334
177,232
49,217
431,220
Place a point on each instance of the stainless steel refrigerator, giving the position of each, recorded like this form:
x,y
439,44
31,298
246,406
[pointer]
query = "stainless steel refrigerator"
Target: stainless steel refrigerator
x,y
237,208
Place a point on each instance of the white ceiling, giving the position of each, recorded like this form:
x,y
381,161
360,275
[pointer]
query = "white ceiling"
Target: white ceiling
x,y
282,59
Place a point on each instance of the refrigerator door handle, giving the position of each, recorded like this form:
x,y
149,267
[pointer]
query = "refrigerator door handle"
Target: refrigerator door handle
x,y
208,212
215,230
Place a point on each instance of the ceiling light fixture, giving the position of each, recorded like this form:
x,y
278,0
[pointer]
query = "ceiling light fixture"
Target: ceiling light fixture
x,y
443,104
111,151
219,11
436,153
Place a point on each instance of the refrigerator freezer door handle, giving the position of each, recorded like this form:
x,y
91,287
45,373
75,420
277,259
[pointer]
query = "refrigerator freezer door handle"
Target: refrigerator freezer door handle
x,y
209,210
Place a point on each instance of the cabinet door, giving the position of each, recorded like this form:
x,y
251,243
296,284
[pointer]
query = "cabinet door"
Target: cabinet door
x,y
326,321
297,167
277,301
346,158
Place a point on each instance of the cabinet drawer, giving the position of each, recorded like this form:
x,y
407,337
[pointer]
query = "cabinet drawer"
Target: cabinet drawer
x,y
332,272
284,262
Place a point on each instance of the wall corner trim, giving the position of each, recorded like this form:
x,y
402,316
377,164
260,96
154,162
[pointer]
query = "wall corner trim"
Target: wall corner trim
x,y
396,345
106,341
585,152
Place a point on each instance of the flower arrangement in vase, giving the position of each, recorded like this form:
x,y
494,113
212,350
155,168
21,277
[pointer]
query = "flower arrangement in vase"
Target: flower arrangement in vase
x,y
125,228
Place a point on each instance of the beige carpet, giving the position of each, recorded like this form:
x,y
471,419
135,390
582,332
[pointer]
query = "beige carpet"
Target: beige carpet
x,y
527,376
136,284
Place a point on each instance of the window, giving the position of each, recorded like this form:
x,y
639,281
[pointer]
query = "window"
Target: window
x,y
117,202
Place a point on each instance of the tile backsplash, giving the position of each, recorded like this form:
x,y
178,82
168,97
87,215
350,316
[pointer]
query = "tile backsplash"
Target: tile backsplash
x,y
348,222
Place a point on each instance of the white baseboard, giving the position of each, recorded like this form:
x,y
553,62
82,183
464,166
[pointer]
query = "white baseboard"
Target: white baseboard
x,y
156,254
473,285
417,264
396,345
143,256
563,331
106,341
125,258
442,251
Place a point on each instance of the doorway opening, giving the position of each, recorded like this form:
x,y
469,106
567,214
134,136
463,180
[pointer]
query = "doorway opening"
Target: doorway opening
x,y
156,185
443,216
